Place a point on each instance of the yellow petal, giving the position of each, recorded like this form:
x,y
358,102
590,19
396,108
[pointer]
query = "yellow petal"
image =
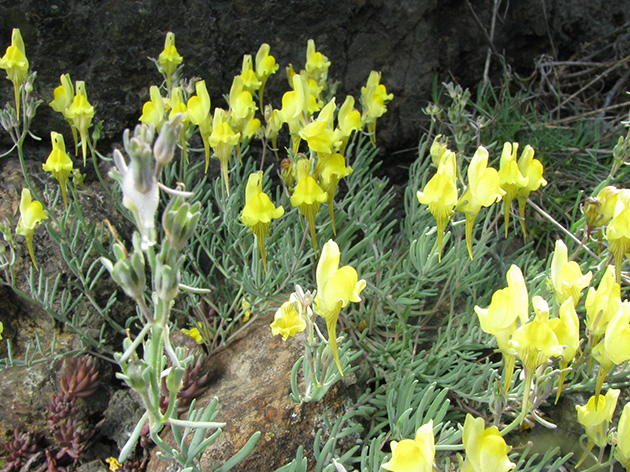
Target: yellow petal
x,y
287,321
328,263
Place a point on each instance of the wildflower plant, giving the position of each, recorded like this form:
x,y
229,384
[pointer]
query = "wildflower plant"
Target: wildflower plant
x,y
336,287
413,305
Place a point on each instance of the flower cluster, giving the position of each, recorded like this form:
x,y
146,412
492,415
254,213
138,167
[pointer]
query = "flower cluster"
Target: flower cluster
x,y
486,186
486,450
539,341
311,117
413,454
72,102
336,288
596,416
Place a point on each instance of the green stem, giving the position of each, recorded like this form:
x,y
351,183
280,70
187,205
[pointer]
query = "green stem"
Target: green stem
x,y
31,187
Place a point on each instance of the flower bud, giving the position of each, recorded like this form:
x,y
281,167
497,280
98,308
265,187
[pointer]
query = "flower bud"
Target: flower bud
x,y
179,221
166,277
138,181
128,272
8,119
28,85
31,108
136,376
620,151
5,120
174,379
165,144
141,157
287,172
591,209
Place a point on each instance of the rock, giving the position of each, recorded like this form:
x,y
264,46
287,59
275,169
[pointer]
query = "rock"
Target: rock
x,y
23,397
106,44
252,383
121,416
94,466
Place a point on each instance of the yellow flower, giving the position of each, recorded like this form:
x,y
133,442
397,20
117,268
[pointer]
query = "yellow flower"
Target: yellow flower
x,y
535,343
251,83
566,276
348,121
508,310
63,95
316,63
15,63
265,66
81,113
153,110
618,235
169,58
265,63
602,304
438,148
486,450
567,330
250,127
336,287
374,97
222,140
308,197
315,103
241,101
179,107
294,108
198,106
614,349
622,452
483,190
32,213
532,169
334,169
617,335
114,465
193,333
413,455
59,163
247,311
511,179
608,198
259,211
198,109
440,194
595,416
287,321
319,134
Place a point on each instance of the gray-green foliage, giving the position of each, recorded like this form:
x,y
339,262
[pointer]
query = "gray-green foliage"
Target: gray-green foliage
x,y
416,375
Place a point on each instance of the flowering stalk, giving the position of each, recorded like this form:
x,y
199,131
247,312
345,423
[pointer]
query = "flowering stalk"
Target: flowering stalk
x,y
16,64
336,287
146,371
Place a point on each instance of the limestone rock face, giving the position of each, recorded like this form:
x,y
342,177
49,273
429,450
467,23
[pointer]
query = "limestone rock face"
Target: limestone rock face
x,y
107,43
